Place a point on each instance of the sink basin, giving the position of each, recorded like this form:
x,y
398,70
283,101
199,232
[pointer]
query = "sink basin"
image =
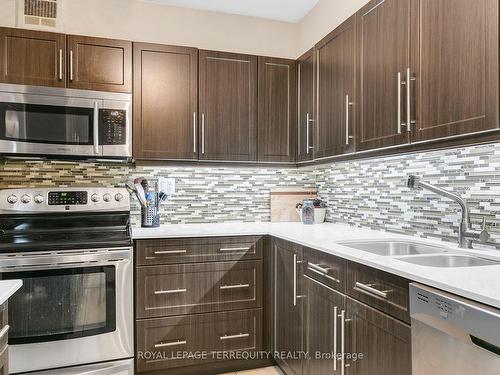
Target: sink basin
x,y
394,248
449,261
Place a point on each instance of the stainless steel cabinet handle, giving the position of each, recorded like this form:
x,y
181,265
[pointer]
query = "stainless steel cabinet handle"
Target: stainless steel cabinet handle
x,y
335,359
295,279
194,132
96,127
71,65
230,337
164,252
318,267
172,343
347,105
202,133
4,331
324,275
237,286
368,288
170,291
307,132
409,78
342,342
60,64
234,249
399,103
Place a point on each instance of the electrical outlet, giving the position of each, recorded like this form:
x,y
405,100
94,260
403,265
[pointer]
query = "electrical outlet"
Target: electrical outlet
x,y
167,185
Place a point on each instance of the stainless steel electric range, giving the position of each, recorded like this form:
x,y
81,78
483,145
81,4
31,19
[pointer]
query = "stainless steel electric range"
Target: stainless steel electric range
x,y
72,248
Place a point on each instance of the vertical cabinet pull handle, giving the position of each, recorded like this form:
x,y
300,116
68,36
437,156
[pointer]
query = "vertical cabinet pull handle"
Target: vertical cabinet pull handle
x,y
194,132
308,139
335,315
71,65
96,127
295,279
202,133
342,342
347,104
60,64
399,103
409,122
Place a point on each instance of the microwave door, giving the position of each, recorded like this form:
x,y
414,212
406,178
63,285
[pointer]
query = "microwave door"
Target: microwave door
x,y
49,125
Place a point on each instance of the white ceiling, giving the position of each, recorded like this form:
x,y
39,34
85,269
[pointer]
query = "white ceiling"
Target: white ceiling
x,y
281,10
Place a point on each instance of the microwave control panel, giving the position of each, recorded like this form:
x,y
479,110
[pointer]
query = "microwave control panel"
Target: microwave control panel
x,y
113,127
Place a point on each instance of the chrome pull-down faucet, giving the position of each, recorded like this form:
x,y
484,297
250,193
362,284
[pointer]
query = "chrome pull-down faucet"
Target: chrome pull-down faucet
x,y
465,234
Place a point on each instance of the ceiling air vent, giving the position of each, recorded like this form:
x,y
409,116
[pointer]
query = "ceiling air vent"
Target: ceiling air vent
x,y
40,13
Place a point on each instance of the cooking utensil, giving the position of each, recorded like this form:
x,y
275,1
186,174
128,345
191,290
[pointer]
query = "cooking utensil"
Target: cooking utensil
x,y
140,195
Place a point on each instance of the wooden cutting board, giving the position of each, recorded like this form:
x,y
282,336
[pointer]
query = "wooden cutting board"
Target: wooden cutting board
x,y
283,201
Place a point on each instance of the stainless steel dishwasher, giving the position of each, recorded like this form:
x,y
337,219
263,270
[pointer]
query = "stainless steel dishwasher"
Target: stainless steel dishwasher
x,y
452,335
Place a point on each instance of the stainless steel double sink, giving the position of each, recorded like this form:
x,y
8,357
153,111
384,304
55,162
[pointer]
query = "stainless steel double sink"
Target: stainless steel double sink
x,y
420,254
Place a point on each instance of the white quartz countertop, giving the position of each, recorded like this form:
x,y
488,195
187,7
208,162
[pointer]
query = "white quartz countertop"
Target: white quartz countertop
x,y
481,284
8,288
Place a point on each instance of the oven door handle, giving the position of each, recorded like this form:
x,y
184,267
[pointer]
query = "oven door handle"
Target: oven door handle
x,y
59,260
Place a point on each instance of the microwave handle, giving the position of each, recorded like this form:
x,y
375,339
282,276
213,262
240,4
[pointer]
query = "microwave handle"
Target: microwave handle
x,y
96,127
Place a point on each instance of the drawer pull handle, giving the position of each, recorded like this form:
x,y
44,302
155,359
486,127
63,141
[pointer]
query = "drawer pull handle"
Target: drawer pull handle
x,y
234,249
230,337
317,267
172,343
163,252
4,331
170,291
369,289
324,275
238,286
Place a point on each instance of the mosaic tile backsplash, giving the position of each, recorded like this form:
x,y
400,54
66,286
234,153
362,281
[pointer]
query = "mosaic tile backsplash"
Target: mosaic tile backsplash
x,y
372,192
367,193
203,194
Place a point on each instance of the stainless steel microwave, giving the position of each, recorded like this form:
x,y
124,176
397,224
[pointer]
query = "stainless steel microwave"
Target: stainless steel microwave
x,y
45,121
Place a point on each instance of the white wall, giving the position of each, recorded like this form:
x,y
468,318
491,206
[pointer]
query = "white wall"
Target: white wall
x,y
322,19
139,21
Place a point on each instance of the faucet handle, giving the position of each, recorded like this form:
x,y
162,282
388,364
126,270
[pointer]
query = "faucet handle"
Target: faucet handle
x,y
484,236
483,226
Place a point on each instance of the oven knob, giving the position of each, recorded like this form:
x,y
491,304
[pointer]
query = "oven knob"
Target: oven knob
x,y
118,197
106,197
25,198
95,197
12,199
38,198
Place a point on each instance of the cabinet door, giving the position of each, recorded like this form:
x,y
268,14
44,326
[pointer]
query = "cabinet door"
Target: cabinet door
x,y
323,307
32,57
165,102
383,47
277,109
228,106
455,58
306,94
288,322
384,342
99,64
336,62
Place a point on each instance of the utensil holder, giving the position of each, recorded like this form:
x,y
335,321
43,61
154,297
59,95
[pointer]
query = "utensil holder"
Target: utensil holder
x,y
150,216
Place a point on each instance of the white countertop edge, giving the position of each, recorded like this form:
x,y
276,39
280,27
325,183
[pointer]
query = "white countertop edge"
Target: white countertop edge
x,y
480,284
8,288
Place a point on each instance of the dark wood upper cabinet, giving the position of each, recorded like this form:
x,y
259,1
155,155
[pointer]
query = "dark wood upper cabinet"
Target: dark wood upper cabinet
x,y
288,314
383,49
32,57
336,72
277,109
306,99
99,64
455,63
228,106
384,341
165,102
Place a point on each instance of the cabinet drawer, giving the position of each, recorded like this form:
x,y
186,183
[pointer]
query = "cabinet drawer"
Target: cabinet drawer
x,y
381,290
4,326
159,341
191,250
325,268
196,288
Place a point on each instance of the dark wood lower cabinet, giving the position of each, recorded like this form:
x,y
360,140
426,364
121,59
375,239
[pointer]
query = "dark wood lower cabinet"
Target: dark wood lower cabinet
x,y
323,308
384,342
4,337
288,314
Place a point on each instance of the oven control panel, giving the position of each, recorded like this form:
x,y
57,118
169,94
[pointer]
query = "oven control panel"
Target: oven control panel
x,y
64,199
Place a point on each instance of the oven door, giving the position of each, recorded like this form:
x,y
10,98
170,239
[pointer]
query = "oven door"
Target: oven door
x,y
72,309
49,125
